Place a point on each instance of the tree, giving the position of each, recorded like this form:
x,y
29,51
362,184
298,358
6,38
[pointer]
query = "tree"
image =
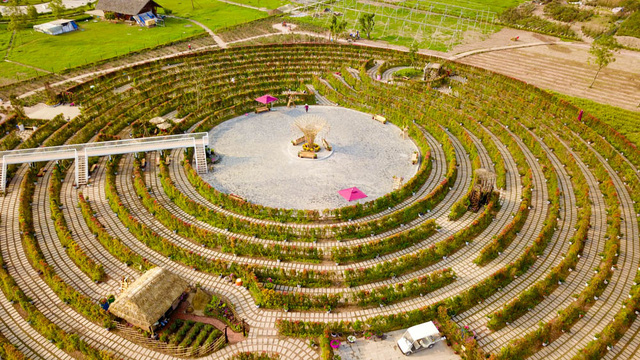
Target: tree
x,y
602,53
337,27
17,19
57,8
32,13
367,22
413,54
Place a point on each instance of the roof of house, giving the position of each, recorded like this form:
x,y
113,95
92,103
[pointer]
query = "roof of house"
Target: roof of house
x,y
149,297
126,7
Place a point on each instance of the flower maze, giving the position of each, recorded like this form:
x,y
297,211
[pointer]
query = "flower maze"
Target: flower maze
x,y
547,268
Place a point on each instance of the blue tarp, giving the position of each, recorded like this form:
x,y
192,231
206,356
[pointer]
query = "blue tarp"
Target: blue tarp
x,y
142,18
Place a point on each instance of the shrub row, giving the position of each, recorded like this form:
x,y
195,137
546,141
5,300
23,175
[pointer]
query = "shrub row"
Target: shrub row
x,y
93,270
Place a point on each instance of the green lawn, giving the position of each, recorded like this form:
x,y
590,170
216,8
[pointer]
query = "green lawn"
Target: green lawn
x,y
267,4
497,6
13,72
624,121
213,14
94,42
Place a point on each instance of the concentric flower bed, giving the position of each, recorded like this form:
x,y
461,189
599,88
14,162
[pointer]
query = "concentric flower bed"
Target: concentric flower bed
x,y
547,267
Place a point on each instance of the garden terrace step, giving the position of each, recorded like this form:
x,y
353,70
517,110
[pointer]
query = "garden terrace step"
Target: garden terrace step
x,y
182,182
114,269
52,249
361,225
139,211
610,302
491,341
45,300
533,224
12,324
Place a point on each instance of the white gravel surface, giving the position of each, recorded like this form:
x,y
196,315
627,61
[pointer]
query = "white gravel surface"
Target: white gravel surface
x,y
46,112
259,165
388,350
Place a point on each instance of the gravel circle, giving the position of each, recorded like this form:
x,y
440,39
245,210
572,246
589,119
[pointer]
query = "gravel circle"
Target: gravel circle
x,y
259,163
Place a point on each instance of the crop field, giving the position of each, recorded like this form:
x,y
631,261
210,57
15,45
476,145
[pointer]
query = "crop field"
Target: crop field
x,y
435,26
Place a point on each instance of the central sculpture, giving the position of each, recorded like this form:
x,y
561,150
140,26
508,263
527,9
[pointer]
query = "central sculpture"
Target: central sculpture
x,y
311,126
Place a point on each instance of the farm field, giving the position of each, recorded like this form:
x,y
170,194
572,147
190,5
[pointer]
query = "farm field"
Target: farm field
x,y
436,28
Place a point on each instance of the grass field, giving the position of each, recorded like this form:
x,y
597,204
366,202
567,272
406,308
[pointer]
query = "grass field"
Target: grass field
x,y
624,121
94,42
212,13
496,6
427,30
267,4
13,72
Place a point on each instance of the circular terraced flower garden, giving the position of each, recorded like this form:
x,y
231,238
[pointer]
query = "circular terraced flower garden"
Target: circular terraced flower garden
x,y
546,268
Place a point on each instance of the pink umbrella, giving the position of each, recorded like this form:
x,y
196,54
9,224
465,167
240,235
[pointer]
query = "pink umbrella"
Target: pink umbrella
x,y
266,99
351,194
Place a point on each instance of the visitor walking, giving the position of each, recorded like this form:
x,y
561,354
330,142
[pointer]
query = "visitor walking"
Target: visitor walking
x,y
189,47
306,107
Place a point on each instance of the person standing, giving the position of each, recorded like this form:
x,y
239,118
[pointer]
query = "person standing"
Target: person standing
x,y
306,107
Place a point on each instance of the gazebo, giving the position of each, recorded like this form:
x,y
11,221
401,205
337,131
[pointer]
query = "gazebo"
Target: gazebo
x,y
266,100
148,298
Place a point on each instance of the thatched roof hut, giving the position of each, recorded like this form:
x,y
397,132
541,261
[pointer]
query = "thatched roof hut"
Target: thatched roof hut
x,y
148,298
128,7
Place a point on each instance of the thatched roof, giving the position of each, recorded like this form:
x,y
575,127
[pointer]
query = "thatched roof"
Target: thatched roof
x,y
148,298
125,7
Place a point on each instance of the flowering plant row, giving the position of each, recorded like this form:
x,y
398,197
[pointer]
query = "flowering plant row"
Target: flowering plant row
x,y
113,245
210,239
389,294
66,341
384,246
428,256
79,257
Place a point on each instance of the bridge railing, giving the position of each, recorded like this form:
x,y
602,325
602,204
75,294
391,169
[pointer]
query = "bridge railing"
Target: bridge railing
x,y
104,148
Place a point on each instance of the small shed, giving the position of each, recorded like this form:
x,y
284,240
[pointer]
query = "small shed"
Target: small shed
x,y
56,27
432,71
127,9
149,298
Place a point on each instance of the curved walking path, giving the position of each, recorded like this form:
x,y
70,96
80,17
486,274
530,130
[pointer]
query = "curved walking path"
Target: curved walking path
x,y
610,301
12,324
215,37
559,244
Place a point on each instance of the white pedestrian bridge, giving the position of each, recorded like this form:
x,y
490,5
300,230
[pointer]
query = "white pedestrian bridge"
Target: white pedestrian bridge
x,y
80,153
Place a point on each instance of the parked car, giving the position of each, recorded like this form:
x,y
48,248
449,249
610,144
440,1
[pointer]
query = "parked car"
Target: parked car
x,y
419,337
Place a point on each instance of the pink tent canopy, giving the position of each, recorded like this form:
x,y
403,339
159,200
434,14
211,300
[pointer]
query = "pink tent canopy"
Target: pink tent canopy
x,y
351,194
266,99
